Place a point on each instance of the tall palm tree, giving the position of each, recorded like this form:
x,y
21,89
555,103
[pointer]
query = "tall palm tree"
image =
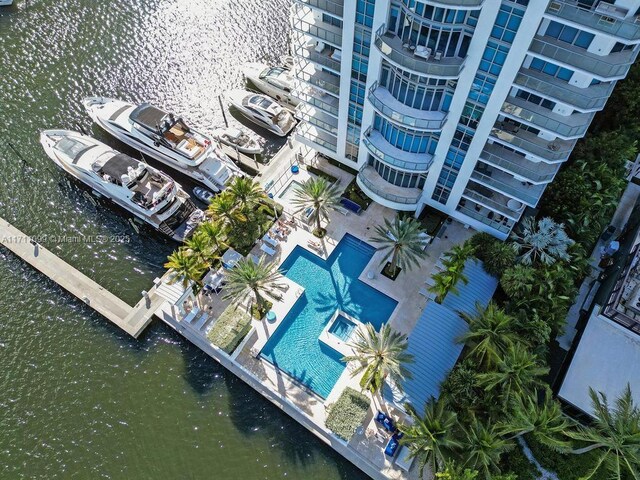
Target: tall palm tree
x,y
224,208
246,192
483,446
200,245
381,356
431,437
404,242
615,432
186,266
318,195
215,232
545,241
518,373
544,420
447,279
492,332
248,278
459,254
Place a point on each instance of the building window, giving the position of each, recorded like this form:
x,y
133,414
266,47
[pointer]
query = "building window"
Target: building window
x,y
493,58
397,177
507,23
405,139
531,98
336,22
364,12
568,34
551,69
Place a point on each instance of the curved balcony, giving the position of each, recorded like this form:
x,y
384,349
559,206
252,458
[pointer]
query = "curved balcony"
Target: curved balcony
x,y
385,193
608,19
393,50
387,153
333,7
398,112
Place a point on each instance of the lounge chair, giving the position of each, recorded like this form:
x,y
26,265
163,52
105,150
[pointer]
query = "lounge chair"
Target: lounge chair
x,y
269,251
393,444
385,421
271,241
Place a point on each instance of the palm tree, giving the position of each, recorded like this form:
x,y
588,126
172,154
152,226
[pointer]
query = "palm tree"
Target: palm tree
x,y
518,373
186,266
431,438
223,207
518,281
215,233
318,195
545,241
404,242
459,254
246,192
381,356
446,280
248,278
482,447
491,334
200,245
453,471
544,420
615,432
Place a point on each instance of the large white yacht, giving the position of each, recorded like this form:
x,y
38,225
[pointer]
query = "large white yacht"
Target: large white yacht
x,y
166,138
149,194
262,111
277,82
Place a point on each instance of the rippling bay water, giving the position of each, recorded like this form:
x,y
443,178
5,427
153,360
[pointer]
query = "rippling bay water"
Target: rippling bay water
x,y
78,399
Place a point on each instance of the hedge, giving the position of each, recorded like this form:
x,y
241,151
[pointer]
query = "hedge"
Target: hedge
x,y
347,413
231,327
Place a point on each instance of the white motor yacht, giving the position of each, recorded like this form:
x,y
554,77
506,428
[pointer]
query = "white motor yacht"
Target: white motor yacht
x,y
277,82
6,3
262,111
166,138
238,139
149,194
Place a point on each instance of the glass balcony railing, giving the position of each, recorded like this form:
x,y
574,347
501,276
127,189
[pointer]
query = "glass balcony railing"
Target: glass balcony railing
x,y
335,7
511,135
319,99
387,153
605,22
306,48
482,217
536,172
451,3
614,66
403,56
318,29
589,99
311,136
496,202
570,126
318,118
320,79
369,180
396,111
507,184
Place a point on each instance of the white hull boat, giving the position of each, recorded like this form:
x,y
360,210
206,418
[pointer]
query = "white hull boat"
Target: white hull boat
x,y
238,139
166,138
262,111
277,82
6,3
149,194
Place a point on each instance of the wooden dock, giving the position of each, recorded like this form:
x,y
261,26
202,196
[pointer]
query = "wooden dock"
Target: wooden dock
x,y
132,320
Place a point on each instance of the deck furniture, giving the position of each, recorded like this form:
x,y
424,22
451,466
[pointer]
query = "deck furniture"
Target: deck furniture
x,y
269,251
385,421
392,446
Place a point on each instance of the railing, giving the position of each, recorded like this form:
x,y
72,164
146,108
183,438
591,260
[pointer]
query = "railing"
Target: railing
x,y
319,82
490,203
368,184
530,173
302,114
335,8
599,66
453,3
582,100
540,119
313,56
549,151
391,160
304,133
393,114
483,219
315,101
318,32
518,192
396,55
569,10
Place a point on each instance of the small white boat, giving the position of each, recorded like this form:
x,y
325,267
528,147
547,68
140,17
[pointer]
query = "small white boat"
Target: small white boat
x,y
149,194
6,3
277,82
262,111
166,138
238,139
203,194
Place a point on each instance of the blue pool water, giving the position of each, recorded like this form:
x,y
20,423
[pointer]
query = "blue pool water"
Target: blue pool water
x,y
342,328
329,286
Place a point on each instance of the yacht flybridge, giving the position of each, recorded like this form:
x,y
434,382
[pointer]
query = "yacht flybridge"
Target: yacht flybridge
x,y
166,138
147,193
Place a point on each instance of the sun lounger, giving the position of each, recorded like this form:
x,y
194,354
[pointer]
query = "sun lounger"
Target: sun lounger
x,y
271,241
269,251
385,421
394,442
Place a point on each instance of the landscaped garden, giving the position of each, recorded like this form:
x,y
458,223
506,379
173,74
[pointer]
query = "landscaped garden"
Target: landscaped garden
x,y
230,329
347,413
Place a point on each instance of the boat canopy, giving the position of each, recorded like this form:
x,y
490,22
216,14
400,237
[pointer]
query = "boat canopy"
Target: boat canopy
x,y
150,117
118,166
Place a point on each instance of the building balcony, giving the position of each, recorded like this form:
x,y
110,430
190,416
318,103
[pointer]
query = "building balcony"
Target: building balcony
x,y
567,127
314,116
316,138
385,193
613,66
486,216
333,7
316,52
510,134
505,206
516,188
452,3
314,76
304,21
400,54
398,112
316,97
588,99
608,19
511,162
387,153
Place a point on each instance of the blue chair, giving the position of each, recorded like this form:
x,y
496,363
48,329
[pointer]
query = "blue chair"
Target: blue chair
x,y
392,446
385,421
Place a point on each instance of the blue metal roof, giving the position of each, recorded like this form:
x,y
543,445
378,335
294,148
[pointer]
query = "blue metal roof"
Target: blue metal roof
x,y
433,340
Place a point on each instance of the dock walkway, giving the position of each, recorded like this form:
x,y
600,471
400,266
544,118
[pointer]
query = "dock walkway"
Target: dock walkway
x,y
132,320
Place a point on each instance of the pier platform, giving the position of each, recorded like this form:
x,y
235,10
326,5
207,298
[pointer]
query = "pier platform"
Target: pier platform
x,y
132,320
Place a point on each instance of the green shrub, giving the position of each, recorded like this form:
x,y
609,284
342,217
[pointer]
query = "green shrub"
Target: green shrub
x,y
231,327
495,255
319,173
517,464
566,465
356,195
347,413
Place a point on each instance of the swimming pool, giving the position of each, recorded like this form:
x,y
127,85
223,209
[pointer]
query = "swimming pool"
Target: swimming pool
x,y
288,193
330,285
342,328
